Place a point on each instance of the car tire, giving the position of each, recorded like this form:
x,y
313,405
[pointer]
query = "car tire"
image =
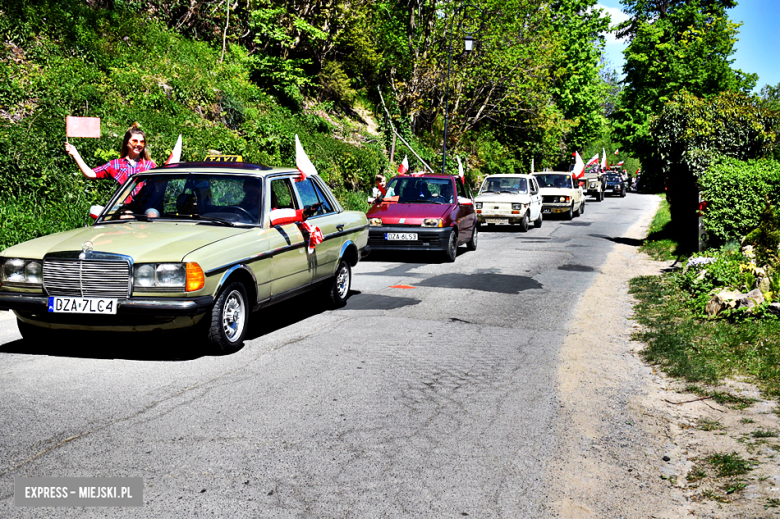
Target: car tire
x,y
622,194
570,214
472,243
342,282
524,223
601,196
229,319
538,221
581,209
452,247
36,334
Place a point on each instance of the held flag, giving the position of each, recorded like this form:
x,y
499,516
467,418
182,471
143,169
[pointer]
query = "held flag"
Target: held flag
x,y
302,161
404,167
579,167
176,153
82,127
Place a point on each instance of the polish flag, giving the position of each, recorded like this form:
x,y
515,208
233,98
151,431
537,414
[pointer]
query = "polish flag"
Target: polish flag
x,y
603,158
404,167
315,235
593,161
620,163
176,153
579,167
302,161
461,173
616,151
418,174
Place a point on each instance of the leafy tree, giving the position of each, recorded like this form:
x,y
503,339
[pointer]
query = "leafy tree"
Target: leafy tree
x,y
674,45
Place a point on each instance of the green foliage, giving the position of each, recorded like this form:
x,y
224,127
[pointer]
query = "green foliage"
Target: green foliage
x,y
673,46
735,192
336,84
765,238
660,243
71,59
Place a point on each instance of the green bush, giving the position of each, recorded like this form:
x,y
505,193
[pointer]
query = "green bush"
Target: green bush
x,y
735,192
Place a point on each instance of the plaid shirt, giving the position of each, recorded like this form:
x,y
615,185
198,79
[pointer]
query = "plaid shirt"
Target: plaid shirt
x,y
120,169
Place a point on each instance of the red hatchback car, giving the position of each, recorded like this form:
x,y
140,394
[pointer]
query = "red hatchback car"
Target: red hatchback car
x,y
428,212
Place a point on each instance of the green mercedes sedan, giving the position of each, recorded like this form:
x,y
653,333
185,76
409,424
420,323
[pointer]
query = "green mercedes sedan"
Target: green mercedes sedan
x,y
195,246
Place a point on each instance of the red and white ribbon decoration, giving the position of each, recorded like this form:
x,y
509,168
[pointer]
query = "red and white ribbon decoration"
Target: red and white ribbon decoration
x,y
315,235
288,216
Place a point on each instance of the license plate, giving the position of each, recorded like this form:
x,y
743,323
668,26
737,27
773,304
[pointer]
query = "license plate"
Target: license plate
x,y
400,236
547,210
82,305
496,220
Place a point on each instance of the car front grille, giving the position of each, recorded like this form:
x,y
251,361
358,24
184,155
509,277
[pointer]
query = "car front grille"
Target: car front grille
x,y
86,278
551,199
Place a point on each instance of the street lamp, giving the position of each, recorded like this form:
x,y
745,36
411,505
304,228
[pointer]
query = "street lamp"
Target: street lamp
x,y
468,40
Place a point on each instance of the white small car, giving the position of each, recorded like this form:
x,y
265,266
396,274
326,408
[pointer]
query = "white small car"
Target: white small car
x,y
509,199
560,194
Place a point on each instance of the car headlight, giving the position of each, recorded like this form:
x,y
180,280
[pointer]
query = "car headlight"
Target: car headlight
x,y
17,270
375,222
432,222
517,207
168,275
478,205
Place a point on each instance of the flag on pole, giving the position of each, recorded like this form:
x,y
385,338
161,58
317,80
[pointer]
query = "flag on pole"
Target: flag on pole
x,y
603,158
620,163
82,127
404,167
176,153
579,167
461,174
302,161
593,161
616,151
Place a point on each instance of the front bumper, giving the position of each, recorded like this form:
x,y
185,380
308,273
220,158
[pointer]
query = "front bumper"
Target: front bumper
x,y
137,306
428,238
510,218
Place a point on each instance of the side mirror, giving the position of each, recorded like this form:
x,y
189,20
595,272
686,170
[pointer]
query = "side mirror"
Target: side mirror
x,y
95,211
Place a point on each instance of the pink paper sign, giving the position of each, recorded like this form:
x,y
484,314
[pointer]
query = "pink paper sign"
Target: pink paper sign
x,y
82,127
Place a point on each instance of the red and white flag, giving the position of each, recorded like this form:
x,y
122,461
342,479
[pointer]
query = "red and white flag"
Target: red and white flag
x,y
620,163
82,127
593,161
603,158
461,173
315,235
302,161
176,153
418,174
616,151
404,167
579,167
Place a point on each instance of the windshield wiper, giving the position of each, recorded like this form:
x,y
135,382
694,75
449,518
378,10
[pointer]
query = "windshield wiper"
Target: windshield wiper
x,y
214,219
124,217
508,191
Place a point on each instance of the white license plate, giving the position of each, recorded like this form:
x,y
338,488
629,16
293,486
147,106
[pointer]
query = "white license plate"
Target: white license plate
x,y
401,236
547,210
82,305
496,220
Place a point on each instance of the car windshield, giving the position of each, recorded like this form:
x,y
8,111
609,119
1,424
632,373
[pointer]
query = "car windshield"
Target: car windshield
x,y
504,185
209,198
552,180
421,190
613,178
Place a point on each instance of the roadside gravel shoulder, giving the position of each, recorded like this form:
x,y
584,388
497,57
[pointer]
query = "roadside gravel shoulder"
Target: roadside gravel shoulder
x,y
626,442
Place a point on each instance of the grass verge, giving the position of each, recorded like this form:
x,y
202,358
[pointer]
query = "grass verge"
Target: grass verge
x,y
660,243
702,350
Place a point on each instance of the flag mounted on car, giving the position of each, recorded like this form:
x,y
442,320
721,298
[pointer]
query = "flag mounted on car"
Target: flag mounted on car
x,y
175,156
579,167
302,161
404,167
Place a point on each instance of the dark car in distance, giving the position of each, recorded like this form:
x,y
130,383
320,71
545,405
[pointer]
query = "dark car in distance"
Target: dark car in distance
x,y
423,213
614,185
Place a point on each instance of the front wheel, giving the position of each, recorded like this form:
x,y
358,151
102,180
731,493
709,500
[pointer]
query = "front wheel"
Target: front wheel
x,y
472,243
524,223
581,210
570,214
452,247
229,319
538,221
339,290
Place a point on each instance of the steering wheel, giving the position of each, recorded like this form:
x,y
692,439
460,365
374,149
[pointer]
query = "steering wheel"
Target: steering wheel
x,y
241,209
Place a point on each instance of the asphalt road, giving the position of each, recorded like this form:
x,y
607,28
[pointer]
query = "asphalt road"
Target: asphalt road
x,y
432,401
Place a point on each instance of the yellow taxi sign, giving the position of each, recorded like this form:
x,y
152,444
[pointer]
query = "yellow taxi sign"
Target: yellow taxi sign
x,y
223,158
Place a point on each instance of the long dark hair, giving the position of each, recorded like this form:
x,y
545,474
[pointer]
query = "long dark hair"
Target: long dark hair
x,y
134,130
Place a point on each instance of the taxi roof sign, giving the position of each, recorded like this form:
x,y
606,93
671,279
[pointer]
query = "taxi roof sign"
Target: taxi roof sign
x,y
223,158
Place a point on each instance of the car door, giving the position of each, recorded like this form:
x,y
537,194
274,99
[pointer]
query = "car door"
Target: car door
x,y
536,200
326,254
466,214
291,265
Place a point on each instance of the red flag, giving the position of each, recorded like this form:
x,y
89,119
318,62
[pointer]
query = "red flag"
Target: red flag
x,y
418,174
579,167
404,167
82,127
